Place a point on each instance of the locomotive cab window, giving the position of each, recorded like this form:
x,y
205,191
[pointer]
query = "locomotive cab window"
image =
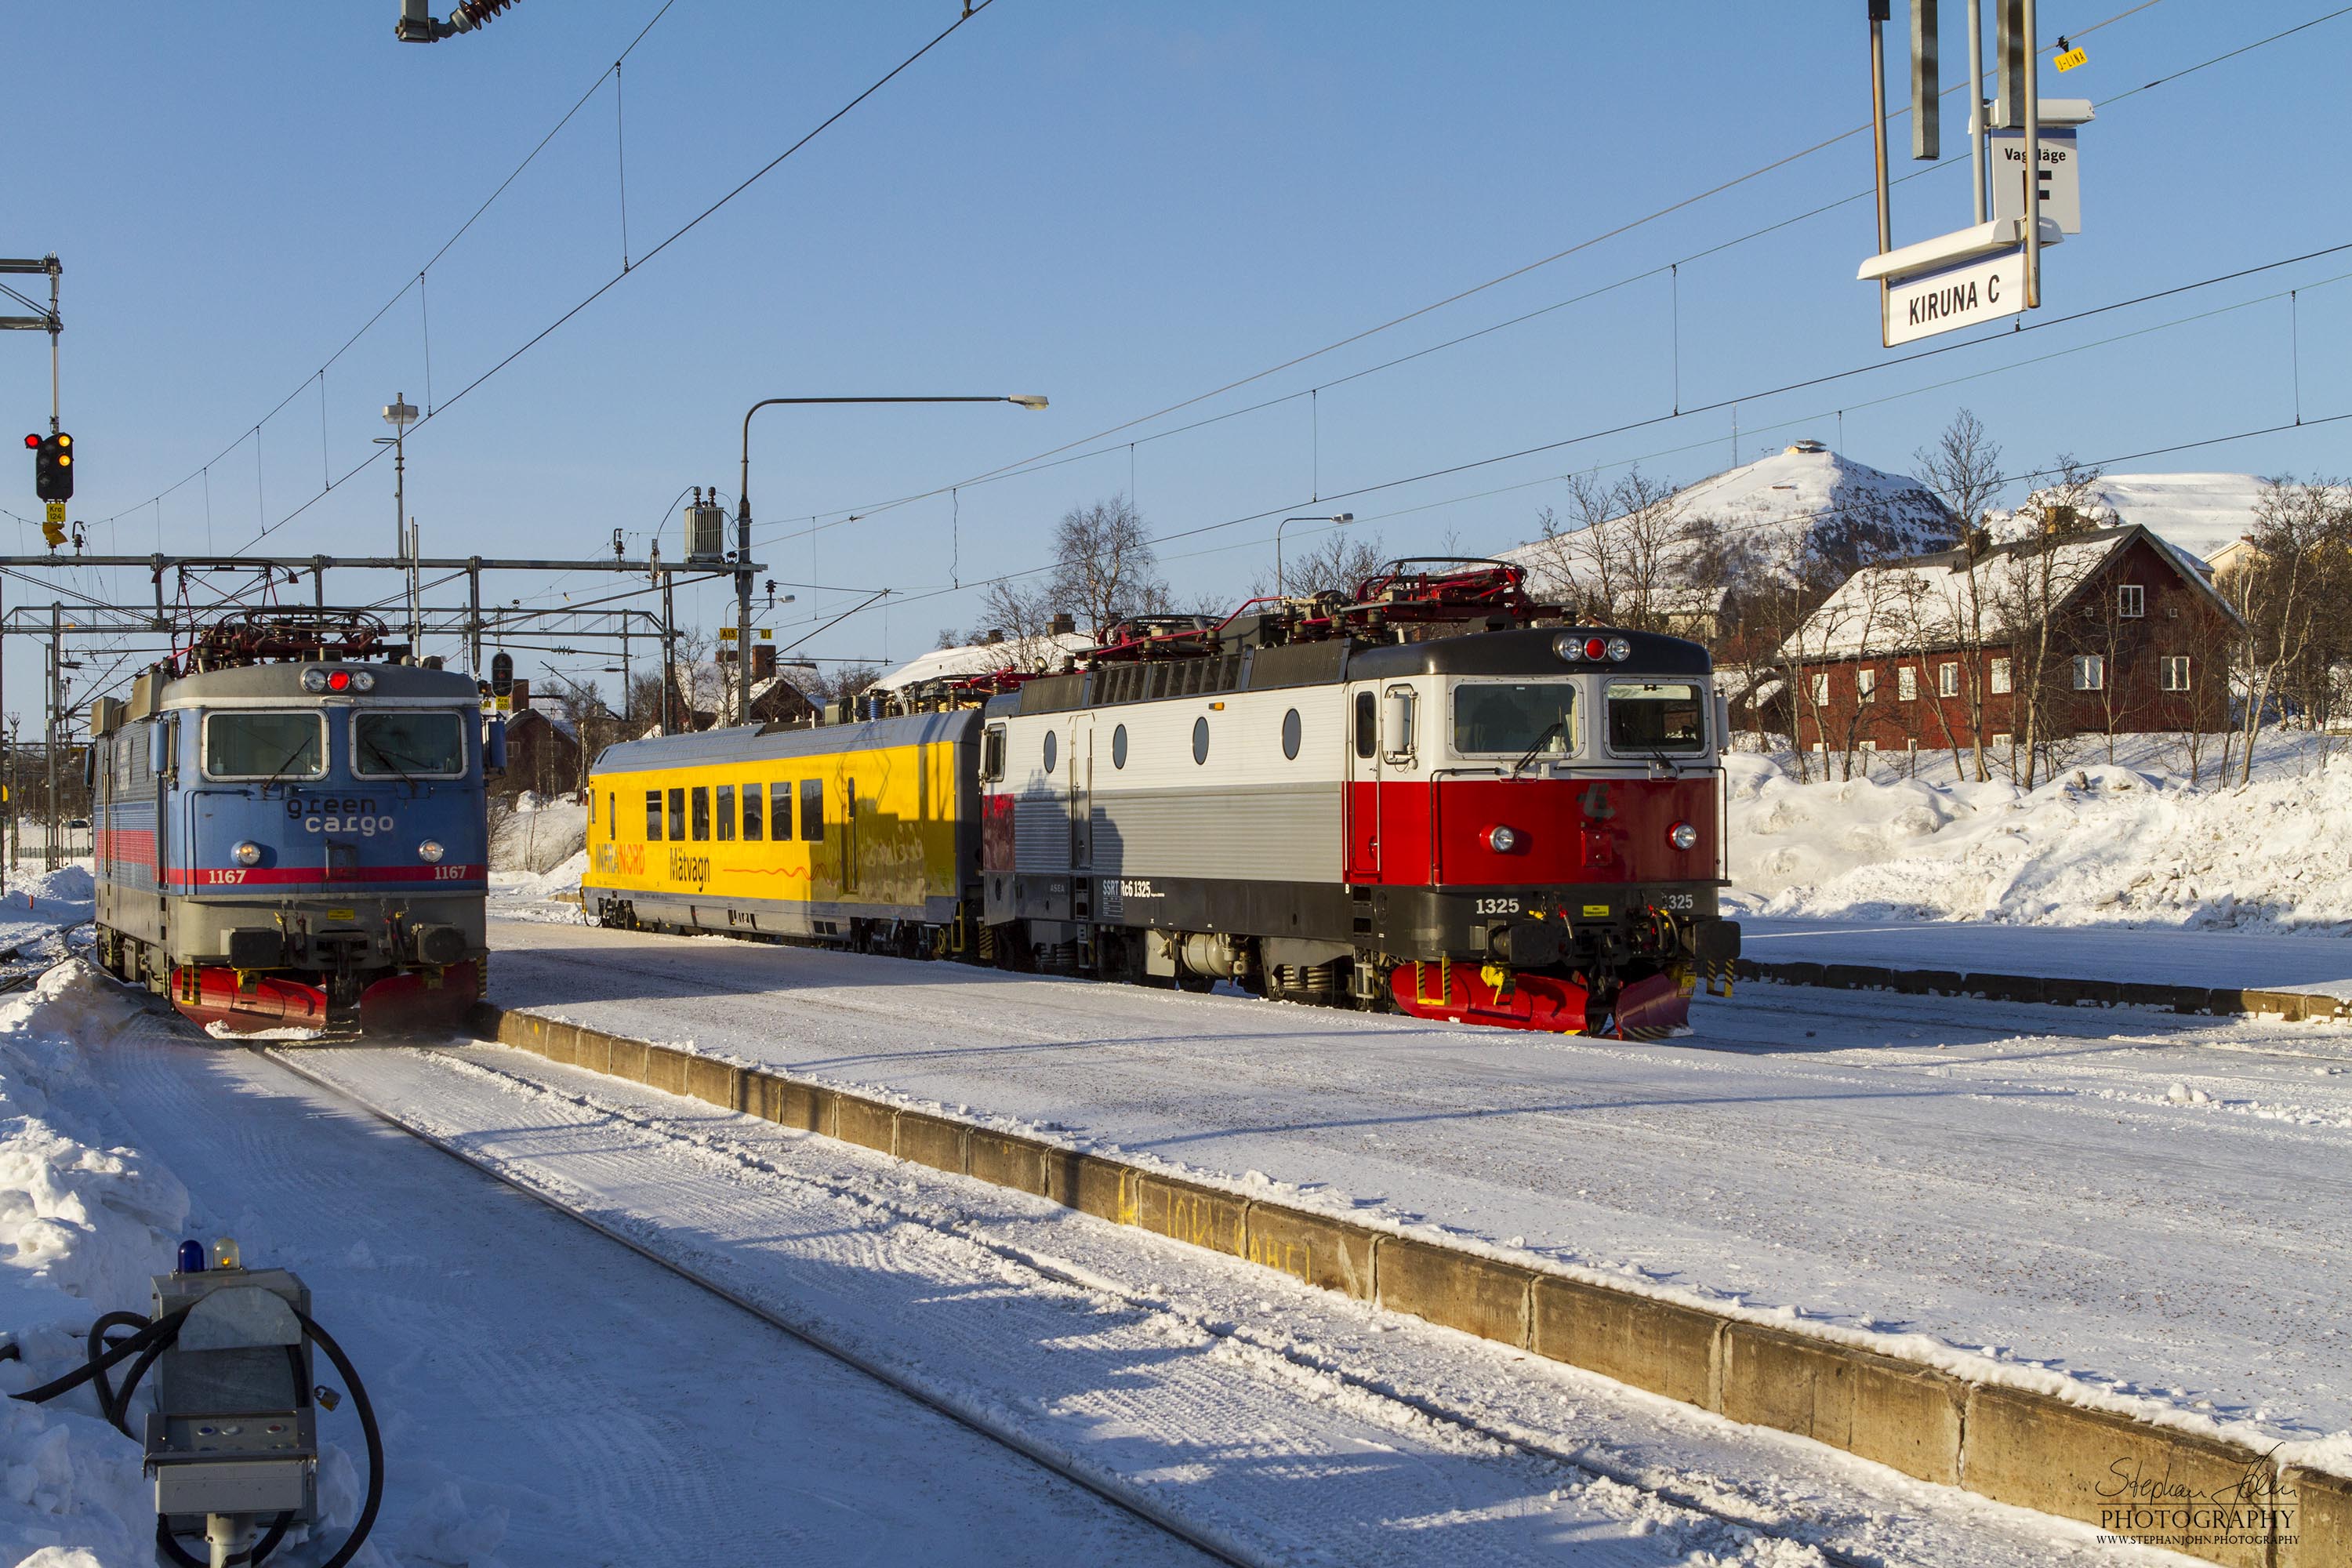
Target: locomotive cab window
x,y
393,742
1531,719
1368,724
1656,716
991,753
239,745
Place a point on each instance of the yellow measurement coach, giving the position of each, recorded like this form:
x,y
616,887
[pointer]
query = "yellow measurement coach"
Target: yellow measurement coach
x,y
864,835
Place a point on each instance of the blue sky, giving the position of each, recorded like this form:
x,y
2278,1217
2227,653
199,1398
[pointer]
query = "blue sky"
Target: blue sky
x,y
1120,206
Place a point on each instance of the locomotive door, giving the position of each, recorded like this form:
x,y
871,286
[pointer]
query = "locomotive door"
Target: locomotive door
x,y
1082,795
1363,785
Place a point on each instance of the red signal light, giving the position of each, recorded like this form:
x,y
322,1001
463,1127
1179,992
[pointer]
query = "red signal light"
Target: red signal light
x,y
339,681
1595,647
32,443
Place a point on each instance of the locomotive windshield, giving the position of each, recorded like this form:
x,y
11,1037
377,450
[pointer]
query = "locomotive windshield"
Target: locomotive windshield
x,y
264,745
387,742
1656,716
1517,718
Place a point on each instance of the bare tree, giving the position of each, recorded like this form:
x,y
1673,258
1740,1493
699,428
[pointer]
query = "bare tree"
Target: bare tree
x,y
1104,567
1334,566
2034,580
1627,554
2290,592
1963,468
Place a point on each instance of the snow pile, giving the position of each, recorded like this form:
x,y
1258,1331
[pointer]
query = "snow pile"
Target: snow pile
x,y
2101,844
539,835
67,894
83,1221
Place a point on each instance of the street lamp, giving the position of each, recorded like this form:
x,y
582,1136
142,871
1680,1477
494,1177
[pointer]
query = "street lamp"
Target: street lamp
x,y
400,414
1341,521
743,522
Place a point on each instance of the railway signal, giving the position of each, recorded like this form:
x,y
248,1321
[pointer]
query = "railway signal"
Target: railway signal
x,y
53,478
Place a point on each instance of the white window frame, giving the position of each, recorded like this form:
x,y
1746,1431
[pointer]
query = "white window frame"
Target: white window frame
x,y
1870,745
2131,601
1865,684
2003,738
1821,688
1906,682
2090,672
2171,662
1999,683
1947,679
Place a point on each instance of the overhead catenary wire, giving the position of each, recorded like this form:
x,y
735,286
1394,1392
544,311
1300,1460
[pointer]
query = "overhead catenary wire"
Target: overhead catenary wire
x,y
1061,456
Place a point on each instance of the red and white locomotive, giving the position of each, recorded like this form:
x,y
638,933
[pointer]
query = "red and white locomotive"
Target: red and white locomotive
x,y
1515,824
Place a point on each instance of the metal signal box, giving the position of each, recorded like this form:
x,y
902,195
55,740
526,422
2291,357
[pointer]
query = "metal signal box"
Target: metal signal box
x,y
233,1431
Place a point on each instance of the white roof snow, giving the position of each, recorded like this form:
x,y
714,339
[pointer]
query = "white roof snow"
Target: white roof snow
x,y
1038,653
2203,514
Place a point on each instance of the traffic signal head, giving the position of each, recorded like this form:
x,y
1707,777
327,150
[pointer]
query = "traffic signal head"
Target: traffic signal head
x,y
501,674
52,477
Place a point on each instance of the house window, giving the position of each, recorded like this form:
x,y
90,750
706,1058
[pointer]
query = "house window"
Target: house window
x,y
2131,601
2090,672
2000,676
1870,745
1820,691
1947,679
1907,683
726,813
1866,685
2001,738
2173,670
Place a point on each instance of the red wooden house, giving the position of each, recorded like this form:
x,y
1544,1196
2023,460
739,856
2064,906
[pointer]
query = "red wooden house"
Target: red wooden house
x,y
2119,631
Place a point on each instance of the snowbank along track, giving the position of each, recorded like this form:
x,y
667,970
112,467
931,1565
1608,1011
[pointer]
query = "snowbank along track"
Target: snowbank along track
x,y
2013,1444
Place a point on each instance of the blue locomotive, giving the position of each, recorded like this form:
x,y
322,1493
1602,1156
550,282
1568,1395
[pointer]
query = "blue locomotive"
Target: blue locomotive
x,y
289,828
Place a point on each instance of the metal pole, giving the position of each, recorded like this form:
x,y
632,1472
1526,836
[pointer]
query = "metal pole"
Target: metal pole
x,y
669,655
1976,108
50,806
474,618
56,327
2032,41
1879,11
1278,555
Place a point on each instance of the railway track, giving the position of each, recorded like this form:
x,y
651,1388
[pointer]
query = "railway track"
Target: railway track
x,y
1138,1502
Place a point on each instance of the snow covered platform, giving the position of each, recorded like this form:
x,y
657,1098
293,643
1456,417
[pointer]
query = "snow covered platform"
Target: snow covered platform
x,y
2104,1204
2245,960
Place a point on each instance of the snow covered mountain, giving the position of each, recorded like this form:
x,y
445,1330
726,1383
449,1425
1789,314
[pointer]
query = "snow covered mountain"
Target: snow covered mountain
x,y
2203,514
1802,501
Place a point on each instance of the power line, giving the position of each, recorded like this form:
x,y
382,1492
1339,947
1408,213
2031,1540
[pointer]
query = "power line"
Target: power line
x,y
1039,461
416,281
677,233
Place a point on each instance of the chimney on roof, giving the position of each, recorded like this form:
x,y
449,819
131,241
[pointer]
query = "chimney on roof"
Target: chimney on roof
x,y
764,660
995,635
1065,623
520,697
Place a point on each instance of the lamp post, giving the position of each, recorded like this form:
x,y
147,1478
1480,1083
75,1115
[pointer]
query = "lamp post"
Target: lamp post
x,y
1341,519
400,414
743,523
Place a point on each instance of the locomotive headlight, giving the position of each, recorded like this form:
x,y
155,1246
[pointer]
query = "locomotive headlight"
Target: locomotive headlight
x,y
363,681
1502,840
314,681
430,852
1681,836
1620,649
1568,645
247,853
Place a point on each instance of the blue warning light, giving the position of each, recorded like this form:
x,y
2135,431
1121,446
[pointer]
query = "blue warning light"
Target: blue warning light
x,y
191,1258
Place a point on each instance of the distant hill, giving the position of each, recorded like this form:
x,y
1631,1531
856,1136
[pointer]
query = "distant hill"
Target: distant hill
x,y
2203,514
1802,507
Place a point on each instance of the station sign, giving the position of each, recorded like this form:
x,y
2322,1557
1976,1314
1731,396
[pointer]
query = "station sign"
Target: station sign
x,y
1983,289
2062,177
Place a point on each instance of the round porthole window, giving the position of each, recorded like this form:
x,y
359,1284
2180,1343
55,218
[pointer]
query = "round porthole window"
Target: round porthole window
x,y
1290,734
1118,747
1200,740
1051,744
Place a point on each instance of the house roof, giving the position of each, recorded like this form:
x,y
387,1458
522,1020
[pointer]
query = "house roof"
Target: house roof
x,y
708,687
1927,602
1045,653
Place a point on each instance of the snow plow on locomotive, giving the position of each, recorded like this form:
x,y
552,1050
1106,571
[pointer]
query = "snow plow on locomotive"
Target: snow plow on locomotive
x,y
1412,796
290,829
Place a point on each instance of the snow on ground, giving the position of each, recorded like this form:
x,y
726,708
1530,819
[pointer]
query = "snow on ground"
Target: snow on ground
x,y
546,1395
2101,844
1289,1423
2019,1192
